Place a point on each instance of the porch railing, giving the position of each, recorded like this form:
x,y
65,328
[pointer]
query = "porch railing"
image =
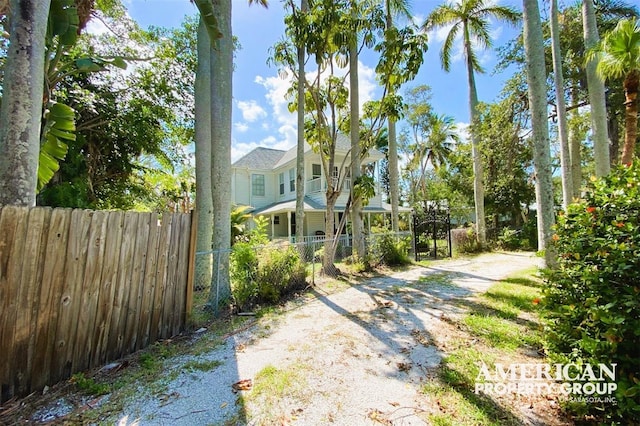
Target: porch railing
x,y
319,184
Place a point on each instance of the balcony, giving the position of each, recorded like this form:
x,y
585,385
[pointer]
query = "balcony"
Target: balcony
x,y
320,185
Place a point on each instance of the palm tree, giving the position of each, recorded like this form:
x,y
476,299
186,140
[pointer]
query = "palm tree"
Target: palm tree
x,y
304,8
401,8
618,56
471,18
561,110
21,111
216,15
204,202
596,93
537,95
440,134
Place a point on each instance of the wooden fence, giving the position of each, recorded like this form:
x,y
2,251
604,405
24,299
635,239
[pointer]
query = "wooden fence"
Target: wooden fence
x,y
79,288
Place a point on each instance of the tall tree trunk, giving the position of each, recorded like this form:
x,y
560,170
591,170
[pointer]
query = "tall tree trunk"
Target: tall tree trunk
x,y
394,185
558,79
354,99
221,105
631,82
204,202
596,93
536,79
478,185
575,146
304,8
21,112
328,267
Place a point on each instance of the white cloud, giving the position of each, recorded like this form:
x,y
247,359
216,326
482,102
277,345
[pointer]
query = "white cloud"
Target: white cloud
x,y
241,127
239,149
276,97
96,27
251,111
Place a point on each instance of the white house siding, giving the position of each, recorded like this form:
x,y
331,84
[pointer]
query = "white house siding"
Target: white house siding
x,y
315,222
241,187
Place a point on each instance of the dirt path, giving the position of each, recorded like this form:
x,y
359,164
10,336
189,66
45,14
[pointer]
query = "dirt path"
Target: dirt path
x,y
351,358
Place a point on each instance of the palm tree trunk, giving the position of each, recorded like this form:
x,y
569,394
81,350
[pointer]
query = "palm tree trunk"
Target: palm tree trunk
x,y
21,112
574,148
394,186
204,202
630,116
221,105
596,94
536,79
304,7
567,184
354,100
478,185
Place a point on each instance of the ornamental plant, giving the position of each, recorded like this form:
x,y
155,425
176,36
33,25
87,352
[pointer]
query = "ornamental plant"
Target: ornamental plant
x,y
592,300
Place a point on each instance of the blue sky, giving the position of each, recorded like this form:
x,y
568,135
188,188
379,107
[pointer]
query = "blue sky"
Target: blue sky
x,y
260,114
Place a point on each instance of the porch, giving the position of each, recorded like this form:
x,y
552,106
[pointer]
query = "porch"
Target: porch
x,y
282,219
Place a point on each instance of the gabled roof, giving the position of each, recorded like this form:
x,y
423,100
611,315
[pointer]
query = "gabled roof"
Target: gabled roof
x,y
269,159
260,159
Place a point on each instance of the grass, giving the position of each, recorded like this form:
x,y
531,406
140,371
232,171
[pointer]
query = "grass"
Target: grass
x,y
271,387
499,326
202,365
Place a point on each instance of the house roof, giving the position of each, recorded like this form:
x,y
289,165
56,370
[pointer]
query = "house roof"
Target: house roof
x,y
269,159
260,158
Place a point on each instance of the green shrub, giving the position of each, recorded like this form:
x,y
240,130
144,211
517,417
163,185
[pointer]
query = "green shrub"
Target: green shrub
x,y
592,301
243,270
280,272
388,250
464,241
264,274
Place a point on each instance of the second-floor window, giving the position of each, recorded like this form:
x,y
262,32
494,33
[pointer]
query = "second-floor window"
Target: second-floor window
x,y
292,180
257,185
281,183
316,171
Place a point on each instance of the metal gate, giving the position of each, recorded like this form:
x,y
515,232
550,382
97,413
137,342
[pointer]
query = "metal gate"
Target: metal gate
x,y
432,234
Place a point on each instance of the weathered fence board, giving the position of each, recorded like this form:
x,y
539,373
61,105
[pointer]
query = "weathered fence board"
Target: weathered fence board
x,y
79,288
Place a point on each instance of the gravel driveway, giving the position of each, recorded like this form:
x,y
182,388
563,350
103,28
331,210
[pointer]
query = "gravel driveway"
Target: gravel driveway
x,y
354,357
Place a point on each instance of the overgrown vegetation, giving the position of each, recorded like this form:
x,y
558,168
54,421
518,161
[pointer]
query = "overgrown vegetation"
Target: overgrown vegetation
x,y
387,249
262,272
464,241
593,298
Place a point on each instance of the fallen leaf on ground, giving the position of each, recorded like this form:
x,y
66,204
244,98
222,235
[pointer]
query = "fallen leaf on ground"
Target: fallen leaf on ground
x,y
242,385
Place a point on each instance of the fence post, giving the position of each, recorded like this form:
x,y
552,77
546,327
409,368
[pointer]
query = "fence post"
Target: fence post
x,y
192,265
215,308
313,263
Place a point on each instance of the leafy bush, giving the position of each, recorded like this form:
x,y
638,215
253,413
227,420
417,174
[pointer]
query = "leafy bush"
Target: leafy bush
x,y
280,272
263,273
592,302
385,249
464,240
509,239
243,270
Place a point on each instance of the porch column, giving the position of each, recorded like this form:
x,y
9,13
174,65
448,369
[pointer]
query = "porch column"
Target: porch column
x,y
369,222
289,225
273,230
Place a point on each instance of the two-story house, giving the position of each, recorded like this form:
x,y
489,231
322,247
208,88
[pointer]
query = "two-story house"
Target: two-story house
x,y
265,180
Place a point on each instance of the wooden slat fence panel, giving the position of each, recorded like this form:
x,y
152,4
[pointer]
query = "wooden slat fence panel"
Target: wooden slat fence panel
x,y
79,288
50,295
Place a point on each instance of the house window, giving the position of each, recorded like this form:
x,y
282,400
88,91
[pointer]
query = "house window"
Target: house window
x,y
257,185
292,180
281,182
316,171
276,220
